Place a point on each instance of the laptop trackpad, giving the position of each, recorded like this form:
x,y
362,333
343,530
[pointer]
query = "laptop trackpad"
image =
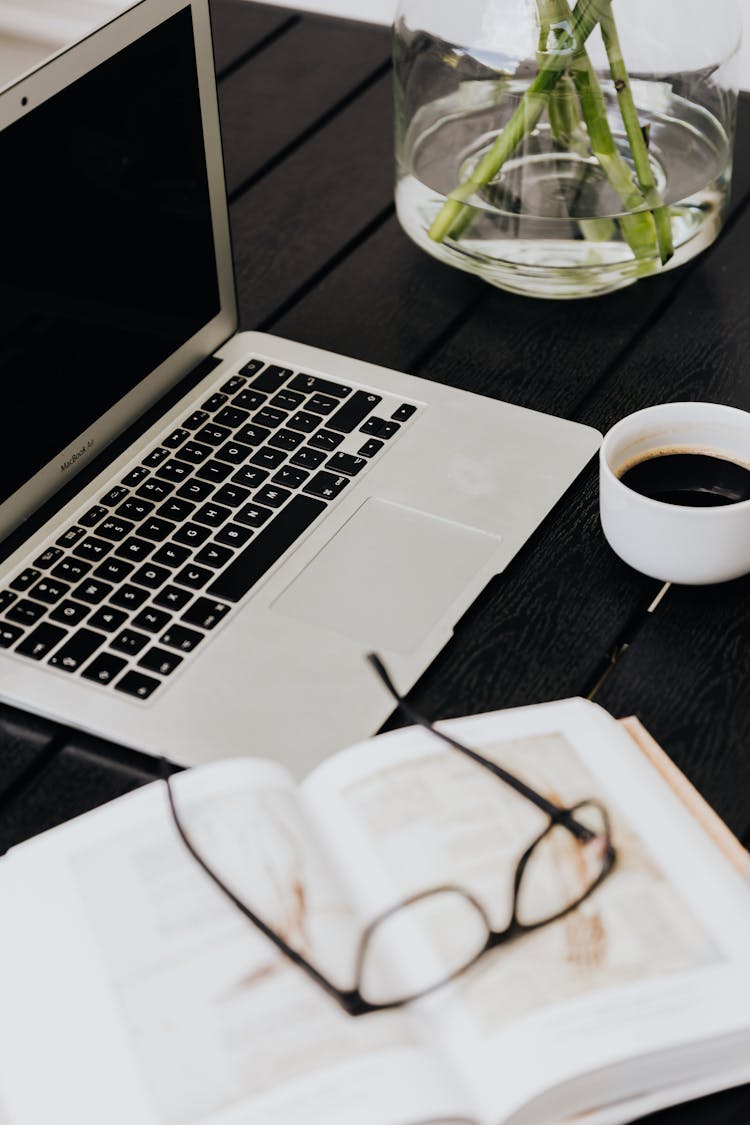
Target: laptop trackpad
x,y
388,575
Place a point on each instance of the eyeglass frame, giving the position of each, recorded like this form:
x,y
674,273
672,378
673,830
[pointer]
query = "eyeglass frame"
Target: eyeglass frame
x,y
351,1000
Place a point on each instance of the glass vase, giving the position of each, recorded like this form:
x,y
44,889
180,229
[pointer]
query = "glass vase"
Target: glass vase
x,y
562,149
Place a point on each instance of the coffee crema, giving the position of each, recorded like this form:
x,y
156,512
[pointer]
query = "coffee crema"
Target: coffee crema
x,y
697,480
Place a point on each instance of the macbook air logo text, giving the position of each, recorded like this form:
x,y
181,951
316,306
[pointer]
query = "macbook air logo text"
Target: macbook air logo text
x,y
70,461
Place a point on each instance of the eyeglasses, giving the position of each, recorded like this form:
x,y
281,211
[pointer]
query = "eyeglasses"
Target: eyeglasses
x,y
558,870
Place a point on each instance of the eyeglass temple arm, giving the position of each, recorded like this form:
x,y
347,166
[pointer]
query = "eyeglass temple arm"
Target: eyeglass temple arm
x,y
346,999
554,811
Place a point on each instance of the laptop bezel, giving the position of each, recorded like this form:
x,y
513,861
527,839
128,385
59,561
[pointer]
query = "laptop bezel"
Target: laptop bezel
x,y
39,85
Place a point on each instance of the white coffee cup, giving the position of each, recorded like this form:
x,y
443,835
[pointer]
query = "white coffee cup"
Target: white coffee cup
x,y
675,542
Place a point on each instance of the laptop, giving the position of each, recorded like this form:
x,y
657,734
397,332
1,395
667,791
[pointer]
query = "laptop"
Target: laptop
x,y
205,530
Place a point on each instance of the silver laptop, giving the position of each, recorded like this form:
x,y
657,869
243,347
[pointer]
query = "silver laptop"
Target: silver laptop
x,y
214,589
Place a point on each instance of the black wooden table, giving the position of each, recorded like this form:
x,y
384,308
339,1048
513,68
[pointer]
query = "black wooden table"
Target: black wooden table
x,y
306,110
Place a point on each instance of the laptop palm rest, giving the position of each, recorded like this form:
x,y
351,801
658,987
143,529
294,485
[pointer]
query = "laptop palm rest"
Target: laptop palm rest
x,y
388,576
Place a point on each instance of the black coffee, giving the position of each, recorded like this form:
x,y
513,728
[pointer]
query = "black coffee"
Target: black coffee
x,y
696,479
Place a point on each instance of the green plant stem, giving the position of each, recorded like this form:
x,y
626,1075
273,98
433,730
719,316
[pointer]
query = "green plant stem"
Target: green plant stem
x,y
584,19
638,224
635,136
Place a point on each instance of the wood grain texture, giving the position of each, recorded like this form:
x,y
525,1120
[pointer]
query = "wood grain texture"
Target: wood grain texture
x,y
286,90
239,27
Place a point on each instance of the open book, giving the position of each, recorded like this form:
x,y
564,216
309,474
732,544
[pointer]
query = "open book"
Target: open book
x,y
133,991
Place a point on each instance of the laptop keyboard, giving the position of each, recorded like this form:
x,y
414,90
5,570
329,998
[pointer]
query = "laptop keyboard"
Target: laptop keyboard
x,y
132,589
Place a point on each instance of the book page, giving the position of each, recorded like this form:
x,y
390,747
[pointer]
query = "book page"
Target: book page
x,y
651,959
145,996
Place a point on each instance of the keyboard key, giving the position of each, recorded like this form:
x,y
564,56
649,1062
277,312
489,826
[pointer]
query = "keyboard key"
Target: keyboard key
x,y
71,570
353,412
232,416
25,612
213,471
252,434
313,383
321,404
49,591
326,485
118,493
9,634
232,535
213,515
171,554
195,490
176,438
234,452
76,651
154,489
249,400
303,422
251,368
134,549
155,457
107,619
271,379
192,534
213,435
213,555
325,439
268,458
172,598
156,529
346,463
196,419
92,591
252,515
232,494
308,458
134,477
193,576
272,496
176,510
291,478
135,683
233,383
175,470
215,402
92,517
115,529
151,576
48,557
103,668
270,417
25,579
152,620
71,536
404,412
7,597
286,439
287,400
179,637
195,452
206,613
135,509
249,476
113,570
129,597
160,660
266,548
69,613
41,641
370,448
378,427
129,641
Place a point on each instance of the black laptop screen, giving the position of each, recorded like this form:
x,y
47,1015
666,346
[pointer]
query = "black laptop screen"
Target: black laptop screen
x,y
108,261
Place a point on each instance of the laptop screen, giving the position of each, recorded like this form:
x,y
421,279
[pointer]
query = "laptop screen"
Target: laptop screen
x,y
107,245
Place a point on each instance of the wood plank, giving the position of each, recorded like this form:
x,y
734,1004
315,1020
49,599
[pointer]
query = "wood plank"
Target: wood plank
x,y
280,94
240,26
288,228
